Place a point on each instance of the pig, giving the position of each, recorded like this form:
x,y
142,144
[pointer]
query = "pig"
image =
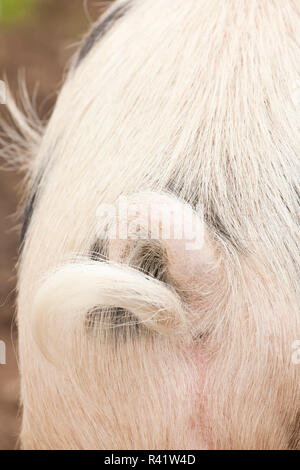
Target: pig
x,y
179,338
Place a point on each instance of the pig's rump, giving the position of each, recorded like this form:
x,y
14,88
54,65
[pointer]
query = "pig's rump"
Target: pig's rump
x,y
146,343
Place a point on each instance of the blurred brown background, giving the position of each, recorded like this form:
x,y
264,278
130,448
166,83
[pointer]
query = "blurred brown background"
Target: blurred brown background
x,y
38,36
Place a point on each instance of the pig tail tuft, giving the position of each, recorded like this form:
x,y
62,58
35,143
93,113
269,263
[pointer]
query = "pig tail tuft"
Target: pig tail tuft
x,y
67,295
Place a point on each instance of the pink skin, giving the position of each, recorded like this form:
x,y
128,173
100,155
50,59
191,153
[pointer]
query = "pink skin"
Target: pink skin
x,y
189,260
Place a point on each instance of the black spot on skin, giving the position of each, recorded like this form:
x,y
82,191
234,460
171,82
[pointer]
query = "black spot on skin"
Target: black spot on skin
x,y
176,188
212,219
294,441
147,256
150,257
121,317
110,319
29,209
99,250
99,30
26,219
32,201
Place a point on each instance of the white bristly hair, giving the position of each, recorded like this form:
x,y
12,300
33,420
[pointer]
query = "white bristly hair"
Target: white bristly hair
x,y
194,99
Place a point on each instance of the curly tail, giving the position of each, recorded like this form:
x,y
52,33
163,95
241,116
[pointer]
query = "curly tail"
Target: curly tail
x,y
71,292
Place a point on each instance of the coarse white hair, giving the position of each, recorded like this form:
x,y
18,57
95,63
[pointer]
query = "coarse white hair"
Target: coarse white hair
x,y
140,344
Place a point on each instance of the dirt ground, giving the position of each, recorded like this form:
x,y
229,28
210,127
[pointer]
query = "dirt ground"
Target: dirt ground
x,y
42,45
